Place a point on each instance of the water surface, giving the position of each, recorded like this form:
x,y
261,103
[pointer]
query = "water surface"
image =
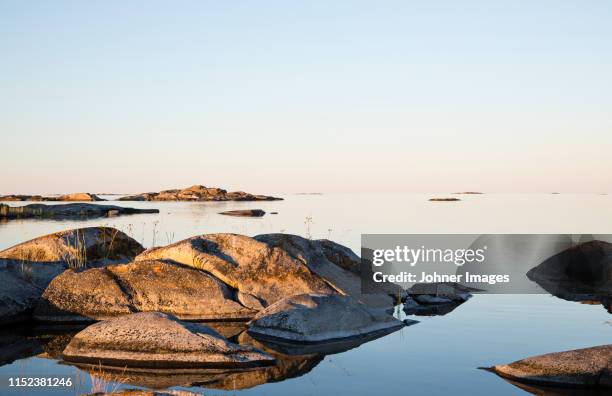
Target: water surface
x,y
438,356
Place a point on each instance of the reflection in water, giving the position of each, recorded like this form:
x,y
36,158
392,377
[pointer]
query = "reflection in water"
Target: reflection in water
x,y
291,361
432,309
555,391
24,341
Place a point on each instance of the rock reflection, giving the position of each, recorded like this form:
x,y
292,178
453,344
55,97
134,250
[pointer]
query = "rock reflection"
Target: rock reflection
x,y
291,361
539,390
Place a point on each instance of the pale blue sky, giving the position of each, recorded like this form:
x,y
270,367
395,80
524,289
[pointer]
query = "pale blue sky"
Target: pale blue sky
x,y
288,96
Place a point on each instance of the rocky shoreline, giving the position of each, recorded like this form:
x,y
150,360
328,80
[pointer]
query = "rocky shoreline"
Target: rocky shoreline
x,y
67,211
85,197
268,307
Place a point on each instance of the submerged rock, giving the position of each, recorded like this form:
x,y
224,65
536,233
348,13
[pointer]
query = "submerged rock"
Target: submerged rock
x,y
588,367
270,267
65,197
142,286
156,340
198,193
67,211
580,273
318,318
26,269
244,213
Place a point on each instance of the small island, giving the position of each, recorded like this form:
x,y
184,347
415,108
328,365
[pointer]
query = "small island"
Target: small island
x,y
74,197
198,193
444,199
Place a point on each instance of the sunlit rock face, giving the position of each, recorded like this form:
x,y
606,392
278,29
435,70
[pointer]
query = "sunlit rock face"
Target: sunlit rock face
x,y
588,367
26,269
140,286
581,273
270,267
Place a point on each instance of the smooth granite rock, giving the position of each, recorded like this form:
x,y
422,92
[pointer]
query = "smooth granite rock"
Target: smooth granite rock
x,y
141,286
319,318
156,340
198,193
26,269
67,211
588,367
269,267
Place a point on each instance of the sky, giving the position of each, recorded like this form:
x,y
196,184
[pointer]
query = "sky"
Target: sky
x,y
306,96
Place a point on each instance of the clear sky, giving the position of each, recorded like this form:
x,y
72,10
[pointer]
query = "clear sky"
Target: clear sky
x,y
291,96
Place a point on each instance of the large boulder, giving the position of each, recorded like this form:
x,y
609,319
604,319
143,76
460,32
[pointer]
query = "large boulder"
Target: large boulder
x,y
141,286
269,267
320,318
26,269
18,296
338,265
156,340
588,367
580,273
198,193
67,211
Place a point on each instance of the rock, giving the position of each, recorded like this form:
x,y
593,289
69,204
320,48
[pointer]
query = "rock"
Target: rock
x,y
318,318
268,267
156,340
17,297
273,212
26,269
142,286
440,292
198,193
580,273
17,197
65,197
67,211
245,264
443,199
79,197
588,367
337,265
244,213
435,299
